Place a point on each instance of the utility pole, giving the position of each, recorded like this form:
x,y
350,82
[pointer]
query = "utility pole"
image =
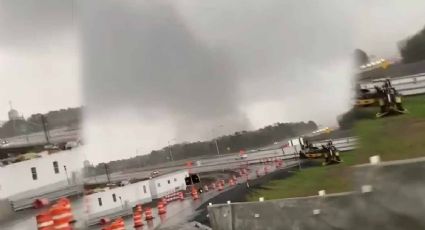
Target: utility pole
x,y
140,158
171,153
216,145
216,139
170,150
46,131
107,173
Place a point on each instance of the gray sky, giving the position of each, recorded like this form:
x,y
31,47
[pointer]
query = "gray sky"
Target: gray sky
x,y
162,70
152,71
38,56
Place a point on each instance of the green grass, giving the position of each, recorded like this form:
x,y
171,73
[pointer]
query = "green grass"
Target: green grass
x,y
393,138
304,183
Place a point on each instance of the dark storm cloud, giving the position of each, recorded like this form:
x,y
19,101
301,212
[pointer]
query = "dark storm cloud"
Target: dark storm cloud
x,y
38,56
32,25
142,55
183,68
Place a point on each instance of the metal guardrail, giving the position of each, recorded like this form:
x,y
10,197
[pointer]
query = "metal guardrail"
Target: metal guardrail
x,y
406,85
342,144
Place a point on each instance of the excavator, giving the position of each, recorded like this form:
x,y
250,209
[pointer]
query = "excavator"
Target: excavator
x,y
389,100
328,152
385,96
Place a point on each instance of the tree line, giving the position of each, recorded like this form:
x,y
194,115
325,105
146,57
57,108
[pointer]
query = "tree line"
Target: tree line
x,y
227,144
70,117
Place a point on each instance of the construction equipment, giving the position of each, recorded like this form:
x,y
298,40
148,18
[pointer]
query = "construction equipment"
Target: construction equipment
x,y
389,100
366,97
329,152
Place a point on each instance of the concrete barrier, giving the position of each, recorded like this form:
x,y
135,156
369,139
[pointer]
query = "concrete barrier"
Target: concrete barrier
x,y
388,196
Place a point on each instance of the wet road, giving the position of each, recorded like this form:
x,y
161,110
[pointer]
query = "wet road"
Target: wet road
x,y
217,163
181,212
25,220
56,135
178,212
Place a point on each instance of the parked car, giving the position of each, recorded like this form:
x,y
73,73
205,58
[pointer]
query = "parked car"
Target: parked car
x,y
71,144
124,183
154,173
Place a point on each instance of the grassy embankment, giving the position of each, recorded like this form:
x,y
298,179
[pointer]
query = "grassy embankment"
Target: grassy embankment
x,y
393,138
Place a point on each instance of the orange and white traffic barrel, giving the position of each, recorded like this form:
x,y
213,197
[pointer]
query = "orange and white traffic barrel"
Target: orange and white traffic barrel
x,y
67,204
195,195
137,218
44,221
118,224
161,208
164,201
220,187
148,214
139,208
60,216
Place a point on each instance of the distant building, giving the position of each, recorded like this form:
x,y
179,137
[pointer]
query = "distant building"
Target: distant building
x,y
13,114
2,123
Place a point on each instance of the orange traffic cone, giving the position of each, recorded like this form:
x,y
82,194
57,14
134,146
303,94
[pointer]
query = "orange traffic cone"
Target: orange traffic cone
x,y
44,221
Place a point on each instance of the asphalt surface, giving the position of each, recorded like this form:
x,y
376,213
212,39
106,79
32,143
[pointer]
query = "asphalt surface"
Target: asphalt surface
x,y
180,213
55,136
207,165
25,220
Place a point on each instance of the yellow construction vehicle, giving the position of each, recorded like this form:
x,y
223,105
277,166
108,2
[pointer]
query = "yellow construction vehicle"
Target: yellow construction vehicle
x,y
328,152
390,101
366,98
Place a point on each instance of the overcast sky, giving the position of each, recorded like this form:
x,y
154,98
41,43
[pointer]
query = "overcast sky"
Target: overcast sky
x,y
153,71
38,56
